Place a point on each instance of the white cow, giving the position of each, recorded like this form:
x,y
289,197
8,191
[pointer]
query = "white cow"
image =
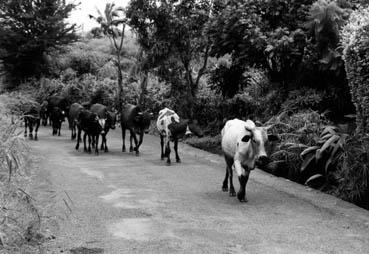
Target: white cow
x,y
171,128
243,145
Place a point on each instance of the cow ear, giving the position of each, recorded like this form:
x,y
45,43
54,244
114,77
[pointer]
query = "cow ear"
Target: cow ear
x,y
246,138
272,137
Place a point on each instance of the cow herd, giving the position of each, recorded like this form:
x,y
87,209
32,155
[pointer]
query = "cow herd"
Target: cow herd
x,y
243,143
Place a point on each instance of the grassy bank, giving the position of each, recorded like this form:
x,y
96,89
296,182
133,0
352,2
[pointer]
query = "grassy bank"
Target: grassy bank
x,y
20,220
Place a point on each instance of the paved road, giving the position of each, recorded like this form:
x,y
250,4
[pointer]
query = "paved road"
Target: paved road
x,y
119,203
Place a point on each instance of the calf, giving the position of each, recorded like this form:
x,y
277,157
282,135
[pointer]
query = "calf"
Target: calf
x,y
171,128
107,120
56,118
89,123
32,119
243,145
74,111
137,122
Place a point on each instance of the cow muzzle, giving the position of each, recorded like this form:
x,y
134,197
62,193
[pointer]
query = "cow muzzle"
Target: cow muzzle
x,y
262,161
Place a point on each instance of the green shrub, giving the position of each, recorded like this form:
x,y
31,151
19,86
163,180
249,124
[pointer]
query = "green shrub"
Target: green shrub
x,y
304,99
353,173
355,41
297,132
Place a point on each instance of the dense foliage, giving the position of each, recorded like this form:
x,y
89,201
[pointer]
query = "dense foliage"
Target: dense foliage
x,y
172,35
356,42
27,30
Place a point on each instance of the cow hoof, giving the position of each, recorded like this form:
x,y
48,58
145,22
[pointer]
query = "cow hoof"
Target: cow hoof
x,y
137,153
241,196
232,193
168,163
25,135
178,160
131,149
123,149
224,188
36,138
106,150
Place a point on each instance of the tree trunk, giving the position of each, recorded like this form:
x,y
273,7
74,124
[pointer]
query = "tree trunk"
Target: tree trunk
x,y
143,85
120,85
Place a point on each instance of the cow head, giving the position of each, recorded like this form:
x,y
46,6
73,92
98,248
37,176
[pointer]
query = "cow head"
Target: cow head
x,y
144,120
194,128
257,138
112,119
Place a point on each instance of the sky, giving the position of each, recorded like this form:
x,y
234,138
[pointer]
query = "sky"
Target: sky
x,y
80,14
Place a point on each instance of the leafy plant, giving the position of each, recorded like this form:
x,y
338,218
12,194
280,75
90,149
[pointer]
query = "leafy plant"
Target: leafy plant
x,y
322,158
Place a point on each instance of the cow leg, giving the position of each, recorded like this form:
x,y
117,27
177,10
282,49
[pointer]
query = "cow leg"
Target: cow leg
x,y
225,181
36,128
90,139
102,142
140,141
73,131
123,139
162,147
30,126
96,146
78,138
84,142
241,194
130,142
25,127
229,175
59,131
167,152
176,150
105,145
133,136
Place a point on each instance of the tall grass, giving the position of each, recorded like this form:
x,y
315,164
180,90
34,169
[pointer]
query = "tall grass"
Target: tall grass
x,y
19,219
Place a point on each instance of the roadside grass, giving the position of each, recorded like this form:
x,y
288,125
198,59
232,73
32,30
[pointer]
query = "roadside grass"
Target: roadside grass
x,y
19,219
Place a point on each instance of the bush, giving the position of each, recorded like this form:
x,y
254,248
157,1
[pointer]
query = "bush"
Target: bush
x,y
297,132
304,99
355,41
353,173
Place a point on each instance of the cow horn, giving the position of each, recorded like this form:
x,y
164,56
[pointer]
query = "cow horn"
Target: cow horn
x,y
250,125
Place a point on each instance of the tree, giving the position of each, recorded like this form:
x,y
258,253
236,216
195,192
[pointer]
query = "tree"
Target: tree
x,y
113,24
172,35
258,33
28,29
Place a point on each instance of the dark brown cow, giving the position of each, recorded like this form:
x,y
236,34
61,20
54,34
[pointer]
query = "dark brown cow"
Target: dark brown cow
x,y
56,118
107,120
73,114
89,123
137,122
32,119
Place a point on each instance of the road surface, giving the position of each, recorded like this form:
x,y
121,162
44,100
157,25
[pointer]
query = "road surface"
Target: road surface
x,y
120,203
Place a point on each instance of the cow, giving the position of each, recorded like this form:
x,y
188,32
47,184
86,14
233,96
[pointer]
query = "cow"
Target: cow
x,y
243,145
89,123
31,119
73,114
107,120
56,119
60,102
137,122
172,128
44,114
